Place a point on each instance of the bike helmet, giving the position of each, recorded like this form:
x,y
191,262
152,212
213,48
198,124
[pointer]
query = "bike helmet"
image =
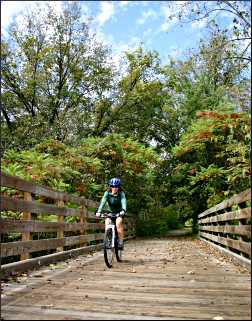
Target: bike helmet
x,y
115,182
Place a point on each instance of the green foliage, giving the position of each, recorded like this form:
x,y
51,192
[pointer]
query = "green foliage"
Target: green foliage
x,y
85,170
51,81
159,224
213,160
211,13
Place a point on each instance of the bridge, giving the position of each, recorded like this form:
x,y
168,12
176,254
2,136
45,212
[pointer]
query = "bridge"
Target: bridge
x,y
179,277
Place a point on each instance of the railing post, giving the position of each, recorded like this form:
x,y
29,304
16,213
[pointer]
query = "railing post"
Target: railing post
x,y
60,233
83,220
26,235
241,222
227,223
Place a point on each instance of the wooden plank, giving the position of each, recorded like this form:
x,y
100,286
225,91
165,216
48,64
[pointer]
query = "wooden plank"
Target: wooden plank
x,y
95,226
11,225
236,199
244,247
190,285
31,187
70,314
229,216
21,266
15,248
141,297
226,252
233,229
8,203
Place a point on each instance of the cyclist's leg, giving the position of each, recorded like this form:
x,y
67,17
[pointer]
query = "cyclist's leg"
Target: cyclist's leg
x,y
119,226
120,234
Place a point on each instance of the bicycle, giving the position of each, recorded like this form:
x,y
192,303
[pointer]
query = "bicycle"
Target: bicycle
x,y
110,242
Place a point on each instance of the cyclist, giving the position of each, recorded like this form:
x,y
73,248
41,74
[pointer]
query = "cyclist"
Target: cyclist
x,y
115,197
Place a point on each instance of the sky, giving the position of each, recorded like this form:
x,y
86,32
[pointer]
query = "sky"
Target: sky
x,y
124,25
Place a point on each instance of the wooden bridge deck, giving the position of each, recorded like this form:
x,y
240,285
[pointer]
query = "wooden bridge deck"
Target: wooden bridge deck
x,y
165,279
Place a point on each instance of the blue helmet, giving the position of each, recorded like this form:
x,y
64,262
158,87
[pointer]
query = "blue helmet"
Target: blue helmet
x,y
115,182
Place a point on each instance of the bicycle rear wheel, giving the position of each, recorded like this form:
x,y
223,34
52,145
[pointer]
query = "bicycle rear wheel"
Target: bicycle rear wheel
x,y
118,252
107,248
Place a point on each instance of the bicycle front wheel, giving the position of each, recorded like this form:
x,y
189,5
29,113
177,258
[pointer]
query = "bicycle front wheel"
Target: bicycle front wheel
x,y
118,252
107,249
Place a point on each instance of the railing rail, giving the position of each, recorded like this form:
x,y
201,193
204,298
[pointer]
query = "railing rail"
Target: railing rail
x,y
227,226
31,204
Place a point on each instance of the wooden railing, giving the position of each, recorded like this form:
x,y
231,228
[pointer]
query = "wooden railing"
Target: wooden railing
x,y
32,204
227,226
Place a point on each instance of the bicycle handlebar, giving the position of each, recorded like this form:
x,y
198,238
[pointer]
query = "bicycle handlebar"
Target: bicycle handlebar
x,y
109,215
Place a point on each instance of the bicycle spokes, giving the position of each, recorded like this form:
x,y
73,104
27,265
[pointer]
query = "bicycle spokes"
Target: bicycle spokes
x,y
108,248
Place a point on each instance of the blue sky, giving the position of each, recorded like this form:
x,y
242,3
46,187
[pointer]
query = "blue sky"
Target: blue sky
x,y
124,24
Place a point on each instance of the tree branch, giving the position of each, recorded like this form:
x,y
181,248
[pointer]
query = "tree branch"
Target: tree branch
x,y
10,82
236,12
9,124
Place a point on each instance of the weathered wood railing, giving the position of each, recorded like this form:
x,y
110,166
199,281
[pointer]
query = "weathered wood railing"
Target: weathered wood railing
x,y
227,226
32,204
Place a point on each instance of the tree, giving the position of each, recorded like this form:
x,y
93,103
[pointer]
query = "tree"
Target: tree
x,y
138,96
140,109
212,161
53,72
210,12
205,80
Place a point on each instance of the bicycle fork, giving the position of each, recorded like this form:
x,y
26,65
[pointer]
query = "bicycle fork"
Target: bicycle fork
x,y
112,227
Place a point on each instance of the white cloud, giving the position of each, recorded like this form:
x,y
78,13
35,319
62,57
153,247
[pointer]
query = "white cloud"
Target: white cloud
x,y
148,33
199,24
168,11
123,3
13,10
146,15
175,52
8,10
134,41
107,11
165,26
106,39
85,9
119,49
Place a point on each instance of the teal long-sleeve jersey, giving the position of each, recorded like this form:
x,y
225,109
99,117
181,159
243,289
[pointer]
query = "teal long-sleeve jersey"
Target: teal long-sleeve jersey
x,y
116,203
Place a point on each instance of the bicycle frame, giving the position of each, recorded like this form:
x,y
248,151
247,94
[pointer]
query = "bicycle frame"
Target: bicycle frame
x,y
112,226
112,250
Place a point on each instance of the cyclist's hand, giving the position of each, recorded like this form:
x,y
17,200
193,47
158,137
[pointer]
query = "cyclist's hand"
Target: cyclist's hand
x,y
122,213
97,214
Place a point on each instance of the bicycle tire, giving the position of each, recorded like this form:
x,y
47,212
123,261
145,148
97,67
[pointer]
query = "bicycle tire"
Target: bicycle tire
x,y
118,252
108,250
